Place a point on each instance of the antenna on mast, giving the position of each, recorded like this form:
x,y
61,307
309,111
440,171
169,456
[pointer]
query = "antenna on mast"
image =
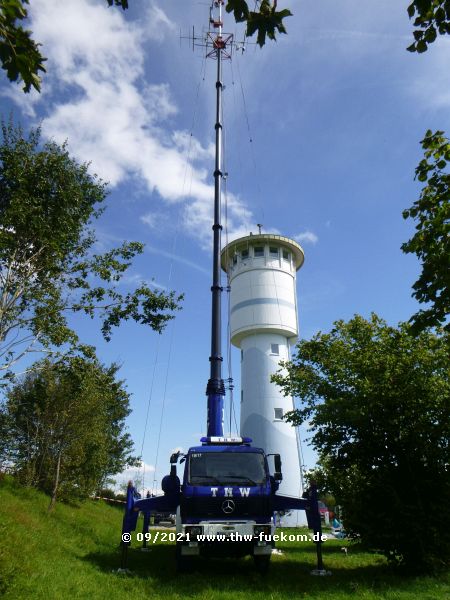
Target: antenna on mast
x,y
209,37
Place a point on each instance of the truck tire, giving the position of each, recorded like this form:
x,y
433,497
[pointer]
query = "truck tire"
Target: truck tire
x,y
262,564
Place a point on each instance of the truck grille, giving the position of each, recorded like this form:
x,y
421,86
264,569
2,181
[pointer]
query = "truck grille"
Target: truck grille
x,y
207,508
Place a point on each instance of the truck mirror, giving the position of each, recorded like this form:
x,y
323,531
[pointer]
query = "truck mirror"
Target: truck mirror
x,y
278,476
277,462
174,458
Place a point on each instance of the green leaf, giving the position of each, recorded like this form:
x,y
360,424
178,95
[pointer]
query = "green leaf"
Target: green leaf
x,y
266,22
430,35
239,8
421,46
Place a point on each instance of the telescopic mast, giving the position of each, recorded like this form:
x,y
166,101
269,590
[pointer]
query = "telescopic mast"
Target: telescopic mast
x,y
215,389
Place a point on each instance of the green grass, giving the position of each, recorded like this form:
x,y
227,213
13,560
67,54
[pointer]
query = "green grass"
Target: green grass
x,y
73,553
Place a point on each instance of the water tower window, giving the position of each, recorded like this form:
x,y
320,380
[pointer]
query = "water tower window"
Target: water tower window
x,y
275,349
286,255
278,414
273,250
242,355
244,254
242,396
259,251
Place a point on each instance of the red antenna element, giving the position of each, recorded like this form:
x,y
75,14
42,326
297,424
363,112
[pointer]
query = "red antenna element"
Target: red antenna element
x,y
219,43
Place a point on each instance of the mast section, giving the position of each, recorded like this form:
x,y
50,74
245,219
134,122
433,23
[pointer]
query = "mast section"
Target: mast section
x,y
215,389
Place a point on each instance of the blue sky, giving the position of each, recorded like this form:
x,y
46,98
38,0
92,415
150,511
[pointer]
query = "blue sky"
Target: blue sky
x,y
322,135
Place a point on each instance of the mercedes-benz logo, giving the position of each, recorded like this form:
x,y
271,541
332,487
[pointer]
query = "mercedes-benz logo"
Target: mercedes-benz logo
x,y
228,506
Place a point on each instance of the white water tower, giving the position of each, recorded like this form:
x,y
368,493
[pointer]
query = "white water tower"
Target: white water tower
x,y
264,325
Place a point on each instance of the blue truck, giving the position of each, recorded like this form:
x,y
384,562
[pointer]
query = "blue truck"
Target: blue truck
x,y
226,504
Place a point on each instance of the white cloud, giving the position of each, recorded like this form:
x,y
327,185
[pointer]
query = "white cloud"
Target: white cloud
x,y
320,34
96,97
25,102
142,477
155,220
157,23
137,279
177,258
189,145
307,237
199,216
142,473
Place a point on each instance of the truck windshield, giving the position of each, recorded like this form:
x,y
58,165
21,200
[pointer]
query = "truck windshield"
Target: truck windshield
x,y
209,468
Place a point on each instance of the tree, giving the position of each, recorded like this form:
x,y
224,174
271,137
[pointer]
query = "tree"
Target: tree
x,y
19,53
22,60
377,401
266,21
433,18
431,243
64,426
47,267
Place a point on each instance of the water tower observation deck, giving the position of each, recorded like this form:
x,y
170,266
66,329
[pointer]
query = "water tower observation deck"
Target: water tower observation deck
x,y
262,270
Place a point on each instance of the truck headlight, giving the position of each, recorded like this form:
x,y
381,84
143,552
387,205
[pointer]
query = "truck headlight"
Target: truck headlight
x,y
193,531
261,529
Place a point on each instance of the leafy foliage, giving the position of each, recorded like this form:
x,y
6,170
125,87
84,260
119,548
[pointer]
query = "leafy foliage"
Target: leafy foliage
x,y
431,243
433,18
266,21
122,3
19,53
240,10
377,401
64,427
47,267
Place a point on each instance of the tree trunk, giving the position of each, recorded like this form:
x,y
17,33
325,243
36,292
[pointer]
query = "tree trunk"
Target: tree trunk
x,y
51,506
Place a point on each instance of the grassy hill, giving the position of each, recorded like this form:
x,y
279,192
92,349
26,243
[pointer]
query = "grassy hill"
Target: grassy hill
x,y
73,553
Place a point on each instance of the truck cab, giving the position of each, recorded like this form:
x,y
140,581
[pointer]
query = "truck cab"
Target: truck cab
x,y
226,502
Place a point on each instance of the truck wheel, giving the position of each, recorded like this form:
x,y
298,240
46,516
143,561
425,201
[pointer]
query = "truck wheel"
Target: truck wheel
x,y
182,562
262,564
